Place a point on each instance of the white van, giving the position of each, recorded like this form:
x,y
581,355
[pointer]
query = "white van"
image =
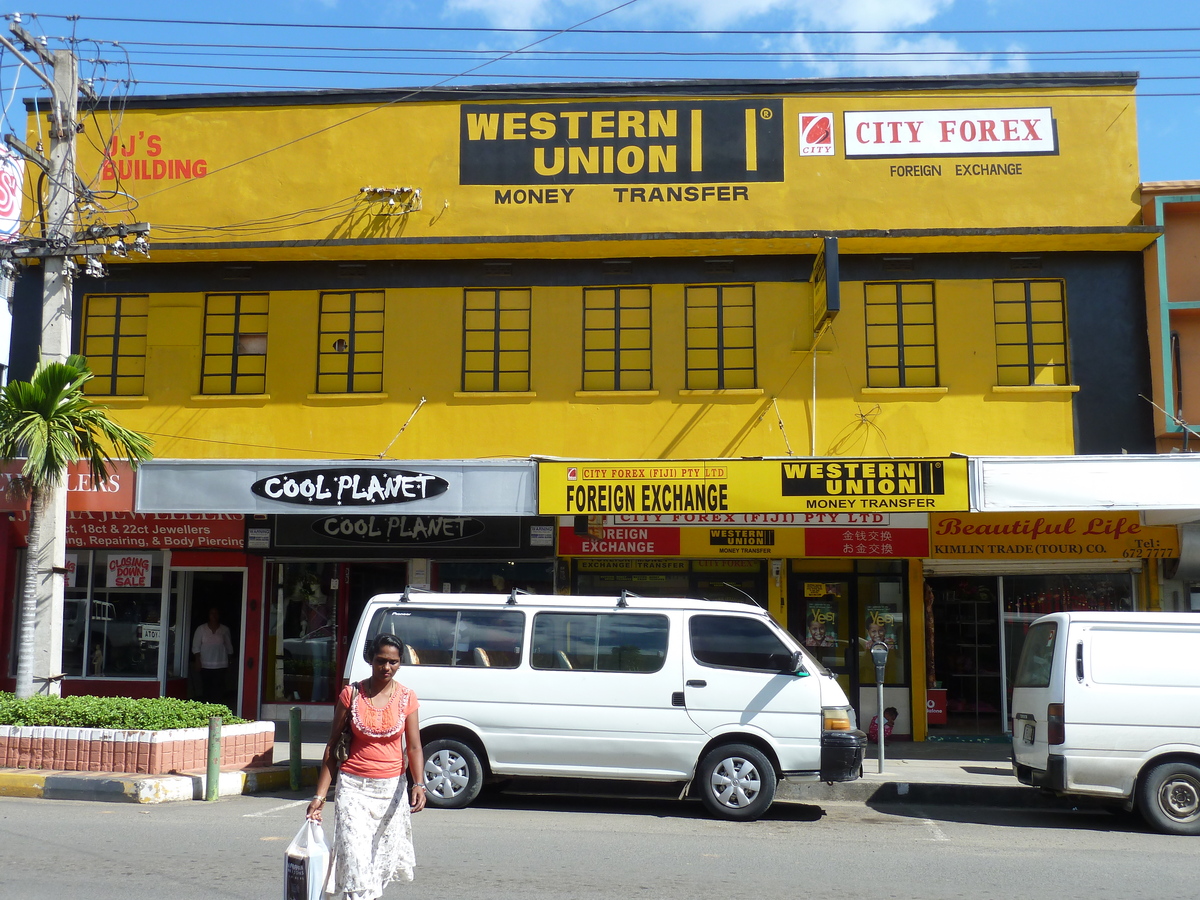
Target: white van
x,y
1108,705
643,689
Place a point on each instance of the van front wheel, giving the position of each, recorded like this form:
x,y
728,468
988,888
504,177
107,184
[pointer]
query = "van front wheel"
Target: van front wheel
x,y
736,781
453,774
1169,798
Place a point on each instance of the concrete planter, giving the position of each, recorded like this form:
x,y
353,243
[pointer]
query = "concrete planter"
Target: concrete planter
x,y
138,752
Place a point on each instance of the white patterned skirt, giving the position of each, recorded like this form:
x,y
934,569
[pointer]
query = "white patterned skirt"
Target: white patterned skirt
x,y
372,843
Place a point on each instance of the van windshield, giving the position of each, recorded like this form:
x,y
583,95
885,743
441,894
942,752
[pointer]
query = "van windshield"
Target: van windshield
x,y
1037,657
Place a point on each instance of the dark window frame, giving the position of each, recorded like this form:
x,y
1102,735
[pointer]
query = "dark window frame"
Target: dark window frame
x,y
327,343
1030,366
902,368
619,330
240,353
111,384
721,347
497,352
785,657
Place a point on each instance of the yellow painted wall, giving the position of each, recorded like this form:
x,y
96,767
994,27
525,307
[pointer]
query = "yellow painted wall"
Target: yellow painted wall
x,y
423,359
300,169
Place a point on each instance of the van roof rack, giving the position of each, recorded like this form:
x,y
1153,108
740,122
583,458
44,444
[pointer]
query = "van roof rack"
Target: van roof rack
x,y
624,601
512,598
410,589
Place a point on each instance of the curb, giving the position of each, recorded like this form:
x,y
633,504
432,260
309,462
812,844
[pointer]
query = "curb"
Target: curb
x,y
932,793
117,788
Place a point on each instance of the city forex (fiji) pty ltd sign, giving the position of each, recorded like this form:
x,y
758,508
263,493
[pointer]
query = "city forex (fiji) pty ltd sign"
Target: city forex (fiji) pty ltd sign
x,y
752,486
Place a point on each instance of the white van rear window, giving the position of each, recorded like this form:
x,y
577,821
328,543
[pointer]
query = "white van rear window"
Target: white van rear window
x,y
1144,658
1037,658
451,637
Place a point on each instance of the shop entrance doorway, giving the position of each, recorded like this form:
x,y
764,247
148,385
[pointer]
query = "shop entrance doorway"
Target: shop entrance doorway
x,y
196,592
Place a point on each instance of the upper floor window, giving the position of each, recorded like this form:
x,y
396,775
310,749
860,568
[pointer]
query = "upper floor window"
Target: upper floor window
x,y
616,339
1031,332
901,335
350,343
235,344
114,342
720,336
496,340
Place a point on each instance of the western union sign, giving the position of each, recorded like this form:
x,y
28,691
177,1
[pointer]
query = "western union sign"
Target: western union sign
x,y
753,486
618,141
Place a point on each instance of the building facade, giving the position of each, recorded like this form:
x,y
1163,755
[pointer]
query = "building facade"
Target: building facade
x,y
872,278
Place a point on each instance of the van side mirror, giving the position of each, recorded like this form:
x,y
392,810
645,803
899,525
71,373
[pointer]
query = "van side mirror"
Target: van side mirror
x,y
796,666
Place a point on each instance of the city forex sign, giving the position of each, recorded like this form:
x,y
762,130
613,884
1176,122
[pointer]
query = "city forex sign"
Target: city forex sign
x,y
885,134
680,487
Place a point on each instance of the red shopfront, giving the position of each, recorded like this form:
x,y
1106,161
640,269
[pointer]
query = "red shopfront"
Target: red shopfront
x,y
136,587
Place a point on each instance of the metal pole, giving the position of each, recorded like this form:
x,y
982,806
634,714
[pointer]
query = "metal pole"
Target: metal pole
x,y
294,760
212,781
881,720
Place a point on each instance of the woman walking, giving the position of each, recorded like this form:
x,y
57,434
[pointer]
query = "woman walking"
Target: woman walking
x,y
372,825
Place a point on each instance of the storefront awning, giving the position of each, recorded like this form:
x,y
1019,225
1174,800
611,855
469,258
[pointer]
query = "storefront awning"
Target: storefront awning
x,y
308,487
1054,483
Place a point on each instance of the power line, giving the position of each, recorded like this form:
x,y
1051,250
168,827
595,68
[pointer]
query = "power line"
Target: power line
x,y
640,31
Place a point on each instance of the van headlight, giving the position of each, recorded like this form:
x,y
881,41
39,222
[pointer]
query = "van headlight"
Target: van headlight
x,y
837,718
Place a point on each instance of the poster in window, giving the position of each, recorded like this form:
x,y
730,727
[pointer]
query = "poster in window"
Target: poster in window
x,y
881,624
821,625
130,569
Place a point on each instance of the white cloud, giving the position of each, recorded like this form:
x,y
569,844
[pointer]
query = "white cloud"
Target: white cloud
x,y
878,54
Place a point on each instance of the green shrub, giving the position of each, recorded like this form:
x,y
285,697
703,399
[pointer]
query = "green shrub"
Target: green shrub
x,y
126,713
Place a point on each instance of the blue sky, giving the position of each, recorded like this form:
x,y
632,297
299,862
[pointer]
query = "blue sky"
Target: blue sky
x,y
842,38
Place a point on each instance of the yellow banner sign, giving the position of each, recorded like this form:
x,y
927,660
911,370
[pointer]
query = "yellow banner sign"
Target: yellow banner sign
x,y
1081,535
752,486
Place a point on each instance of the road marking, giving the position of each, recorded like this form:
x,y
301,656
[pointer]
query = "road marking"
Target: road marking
x,y
938,834
275,809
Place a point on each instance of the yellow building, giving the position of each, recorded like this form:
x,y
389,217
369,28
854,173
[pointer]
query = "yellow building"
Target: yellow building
x,y
452,283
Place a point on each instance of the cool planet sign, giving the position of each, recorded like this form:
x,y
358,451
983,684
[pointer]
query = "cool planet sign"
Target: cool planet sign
x,y
349,487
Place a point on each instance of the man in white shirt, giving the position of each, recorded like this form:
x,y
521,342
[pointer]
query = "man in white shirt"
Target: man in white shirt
x,y
212,646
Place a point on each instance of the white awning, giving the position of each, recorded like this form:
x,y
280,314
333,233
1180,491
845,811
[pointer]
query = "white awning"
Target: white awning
x,y
1134,482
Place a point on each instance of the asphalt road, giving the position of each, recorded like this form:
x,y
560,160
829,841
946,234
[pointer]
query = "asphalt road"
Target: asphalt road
x,y
538,848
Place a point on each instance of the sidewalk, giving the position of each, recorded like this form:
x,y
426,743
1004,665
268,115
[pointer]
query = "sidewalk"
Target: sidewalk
x,y
943,772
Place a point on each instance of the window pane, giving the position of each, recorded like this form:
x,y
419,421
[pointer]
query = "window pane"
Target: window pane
x,y
632,643
564,641
737,642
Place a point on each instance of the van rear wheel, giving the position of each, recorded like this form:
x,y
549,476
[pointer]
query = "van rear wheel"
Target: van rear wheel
x,y
1169,798
453,774
736,781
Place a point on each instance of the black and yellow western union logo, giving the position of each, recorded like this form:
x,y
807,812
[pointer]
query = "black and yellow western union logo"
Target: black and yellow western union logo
x,y
617,142
864,478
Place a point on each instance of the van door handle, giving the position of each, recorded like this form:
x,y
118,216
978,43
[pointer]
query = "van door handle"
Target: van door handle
x,y
1079,661
696,682
1025,716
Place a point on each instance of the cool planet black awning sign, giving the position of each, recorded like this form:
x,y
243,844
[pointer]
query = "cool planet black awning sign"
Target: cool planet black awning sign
x,y
349,487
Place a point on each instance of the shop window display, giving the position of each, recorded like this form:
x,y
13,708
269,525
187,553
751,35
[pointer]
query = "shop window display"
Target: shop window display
x,y
112,614
302,635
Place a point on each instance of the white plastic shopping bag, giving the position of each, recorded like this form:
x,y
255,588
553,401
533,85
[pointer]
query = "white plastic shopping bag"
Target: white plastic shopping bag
x,y
305,863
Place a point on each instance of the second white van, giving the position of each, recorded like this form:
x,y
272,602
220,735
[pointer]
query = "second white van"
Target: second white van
x,y
708,694
1108,705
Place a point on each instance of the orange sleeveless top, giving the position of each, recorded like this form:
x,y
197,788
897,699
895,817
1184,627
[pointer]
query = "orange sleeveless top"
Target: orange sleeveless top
x,y
377,750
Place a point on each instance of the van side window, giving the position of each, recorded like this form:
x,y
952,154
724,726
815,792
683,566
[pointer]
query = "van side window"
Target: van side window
x,y
448,637
599,642
737,642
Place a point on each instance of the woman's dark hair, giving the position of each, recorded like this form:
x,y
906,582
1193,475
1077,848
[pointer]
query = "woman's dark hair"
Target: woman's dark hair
x,y
377,643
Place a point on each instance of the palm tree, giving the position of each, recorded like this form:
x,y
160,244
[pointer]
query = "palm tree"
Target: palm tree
x,y
51,424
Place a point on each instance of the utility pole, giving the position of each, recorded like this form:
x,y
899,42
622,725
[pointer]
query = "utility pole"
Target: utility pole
x,y
57,251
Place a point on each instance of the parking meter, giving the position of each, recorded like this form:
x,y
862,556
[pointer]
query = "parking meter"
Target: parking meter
x,y
879,652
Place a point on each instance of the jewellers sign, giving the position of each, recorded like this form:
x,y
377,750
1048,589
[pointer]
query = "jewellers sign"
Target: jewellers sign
x,y
349,487
884,134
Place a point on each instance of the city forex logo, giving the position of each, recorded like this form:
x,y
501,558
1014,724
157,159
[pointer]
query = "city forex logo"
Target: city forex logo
x,y
816,134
